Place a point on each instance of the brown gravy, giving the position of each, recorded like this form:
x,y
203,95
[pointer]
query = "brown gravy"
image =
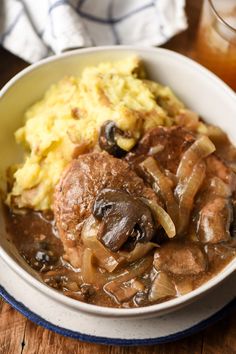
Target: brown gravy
x,y
35,236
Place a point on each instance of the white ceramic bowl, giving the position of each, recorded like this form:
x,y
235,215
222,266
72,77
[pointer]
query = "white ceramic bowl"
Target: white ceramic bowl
x,y
197,87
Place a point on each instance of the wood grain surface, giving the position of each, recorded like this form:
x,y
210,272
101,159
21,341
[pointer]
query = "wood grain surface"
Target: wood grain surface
x,y
19,335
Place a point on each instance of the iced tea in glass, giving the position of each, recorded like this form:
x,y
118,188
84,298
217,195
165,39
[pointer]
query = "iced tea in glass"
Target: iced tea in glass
x,y
216,39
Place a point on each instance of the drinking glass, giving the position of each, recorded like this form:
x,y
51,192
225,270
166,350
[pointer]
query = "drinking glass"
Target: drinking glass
x,y
216,39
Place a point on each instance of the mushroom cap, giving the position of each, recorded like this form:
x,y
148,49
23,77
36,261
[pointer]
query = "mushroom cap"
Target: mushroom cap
x,y
108,139
125,218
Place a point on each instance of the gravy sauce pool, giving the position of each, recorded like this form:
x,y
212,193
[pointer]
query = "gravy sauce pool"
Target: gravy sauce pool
x,y
35,236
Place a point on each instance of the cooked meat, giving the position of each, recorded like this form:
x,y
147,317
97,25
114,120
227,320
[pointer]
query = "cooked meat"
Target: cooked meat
x,y
180,259
76,192
171,143
217,168
218,252
167,146
214,221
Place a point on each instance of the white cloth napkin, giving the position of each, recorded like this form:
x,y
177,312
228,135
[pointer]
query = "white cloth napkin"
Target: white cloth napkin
x,y
34,29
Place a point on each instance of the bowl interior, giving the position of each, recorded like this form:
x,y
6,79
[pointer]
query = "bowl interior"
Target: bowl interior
x,y
198,88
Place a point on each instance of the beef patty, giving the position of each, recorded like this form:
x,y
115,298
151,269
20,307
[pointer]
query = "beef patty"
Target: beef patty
x,y
75,194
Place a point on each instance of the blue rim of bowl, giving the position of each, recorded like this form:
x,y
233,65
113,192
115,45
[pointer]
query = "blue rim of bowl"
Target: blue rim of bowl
x,y
24,310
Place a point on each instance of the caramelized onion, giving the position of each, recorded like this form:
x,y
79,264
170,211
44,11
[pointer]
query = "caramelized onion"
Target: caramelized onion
x,y
125,291
134,270
118,284
122,292
104,258
87,270
186,192
201,148
163,218
155,149
161,288
163,185
91,274
140,251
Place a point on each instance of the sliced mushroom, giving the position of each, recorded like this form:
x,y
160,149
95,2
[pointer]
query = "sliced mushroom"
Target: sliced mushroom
x,y
126,220
108,139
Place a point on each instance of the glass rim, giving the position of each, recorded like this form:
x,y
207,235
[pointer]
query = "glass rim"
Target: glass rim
x,y
220,17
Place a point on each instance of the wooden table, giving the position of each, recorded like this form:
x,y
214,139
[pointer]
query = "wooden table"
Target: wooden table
x,y
19,335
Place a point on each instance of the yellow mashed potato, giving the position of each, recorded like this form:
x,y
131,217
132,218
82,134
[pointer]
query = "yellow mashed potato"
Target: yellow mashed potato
x,y
66,122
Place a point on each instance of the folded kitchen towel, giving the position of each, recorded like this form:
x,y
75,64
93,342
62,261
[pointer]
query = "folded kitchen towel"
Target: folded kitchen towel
x,y
35,29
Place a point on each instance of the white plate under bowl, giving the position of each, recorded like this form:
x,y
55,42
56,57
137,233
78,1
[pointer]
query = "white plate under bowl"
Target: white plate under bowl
x,y
54,316
197,87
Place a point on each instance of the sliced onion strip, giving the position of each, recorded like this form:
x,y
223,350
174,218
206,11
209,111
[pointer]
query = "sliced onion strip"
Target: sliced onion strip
x,y
104,258
186,193
87,270
133,270
200,149
164,186
162,287
163,218
139,251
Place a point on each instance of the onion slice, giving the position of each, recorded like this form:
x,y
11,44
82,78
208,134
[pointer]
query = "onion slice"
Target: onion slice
x,y
200,149
163,184
88,271
186,192
133,270
162,287
163,218
104,257
139,251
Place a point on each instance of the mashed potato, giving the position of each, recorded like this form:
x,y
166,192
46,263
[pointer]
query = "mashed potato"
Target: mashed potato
x,y
66,122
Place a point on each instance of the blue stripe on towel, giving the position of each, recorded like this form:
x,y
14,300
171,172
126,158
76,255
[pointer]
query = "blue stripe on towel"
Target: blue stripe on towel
x,y
12,26
113,20
113,29
58,3
106,21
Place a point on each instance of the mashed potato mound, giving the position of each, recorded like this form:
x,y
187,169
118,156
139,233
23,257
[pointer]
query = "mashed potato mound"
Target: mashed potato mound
x,y
66,123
